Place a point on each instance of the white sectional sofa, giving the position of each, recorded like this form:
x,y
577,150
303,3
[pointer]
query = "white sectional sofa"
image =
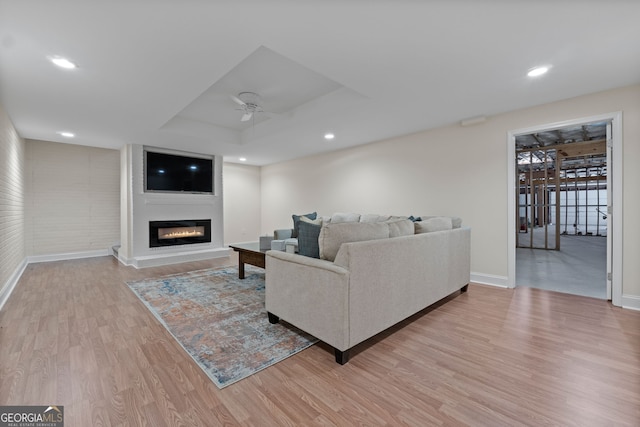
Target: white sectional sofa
x,y
365,285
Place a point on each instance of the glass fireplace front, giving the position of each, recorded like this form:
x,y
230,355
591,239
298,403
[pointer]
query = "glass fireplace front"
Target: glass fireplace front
x,y
181,232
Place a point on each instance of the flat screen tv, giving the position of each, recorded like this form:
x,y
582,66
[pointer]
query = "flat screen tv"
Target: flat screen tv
x,y
177,174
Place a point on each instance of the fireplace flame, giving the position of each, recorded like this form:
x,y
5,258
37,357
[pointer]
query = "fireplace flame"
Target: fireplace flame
x,y
173,234
179,232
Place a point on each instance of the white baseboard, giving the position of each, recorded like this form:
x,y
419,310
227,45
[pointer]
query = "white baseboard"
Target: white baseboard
x,y
6,290
70,255
125,261
489,279
631,302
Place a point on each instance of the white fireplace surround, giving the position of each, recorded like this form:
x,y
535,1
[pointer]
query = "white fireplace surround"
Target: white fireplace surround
x,y
138,208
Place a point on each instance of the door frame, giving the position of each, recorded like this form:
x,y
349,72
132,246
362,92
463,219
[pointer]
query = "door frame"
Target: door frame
x,y
614,169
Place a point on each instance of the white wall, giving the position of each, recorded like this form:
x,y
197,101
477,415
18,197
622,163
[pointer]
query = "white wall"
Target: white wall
x,y
12,228
241,203
72,198
452,170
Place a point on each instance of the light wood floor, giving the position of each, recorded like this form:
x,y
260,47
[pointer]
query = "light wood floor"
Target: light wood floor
x,y
73,334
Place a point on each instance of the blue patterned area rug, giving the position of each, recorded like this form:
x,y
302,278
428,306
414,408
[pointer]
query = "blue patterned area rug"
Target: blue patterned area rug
x,y
221,321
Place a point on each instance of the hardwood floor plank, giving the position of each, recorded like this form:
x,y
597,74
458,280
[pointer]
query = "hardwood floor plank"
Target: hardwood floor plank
x,y
73,334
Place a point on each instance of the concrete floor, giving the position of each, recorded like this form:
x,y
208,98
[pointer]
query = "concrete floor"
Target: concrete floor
x,y
578,268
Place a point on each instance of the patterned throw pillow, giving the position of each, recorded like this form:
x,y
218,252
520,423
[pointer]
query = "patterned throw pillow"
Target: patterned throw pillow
x,y
296,221
308,233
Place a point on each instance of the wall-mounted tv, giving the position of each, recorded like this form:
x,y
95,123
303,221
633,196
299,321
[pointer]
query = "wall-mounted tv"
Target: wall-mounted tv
x,y
175,173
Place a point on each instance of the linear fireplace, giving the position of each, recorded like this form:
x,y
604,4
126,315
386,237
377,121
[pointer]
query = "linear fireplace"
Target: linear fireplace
x,y
179,232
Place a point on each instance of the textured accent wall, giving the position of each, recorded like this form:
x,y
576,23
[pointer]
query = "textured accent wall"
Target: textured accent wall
x,y
12,154
73,198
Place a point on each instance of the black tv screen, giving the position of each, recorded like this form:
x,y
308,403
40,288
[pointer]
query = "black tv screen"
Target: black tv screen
x,y
175,173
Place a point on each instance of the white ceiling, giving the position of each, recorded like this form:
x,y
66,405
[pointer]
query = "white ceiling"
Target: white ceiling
x,y
162,72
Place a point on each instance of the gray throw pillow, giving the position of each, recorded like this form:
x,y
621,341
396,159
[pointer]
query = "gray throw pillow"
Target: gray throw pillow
x,y
308,239
296,221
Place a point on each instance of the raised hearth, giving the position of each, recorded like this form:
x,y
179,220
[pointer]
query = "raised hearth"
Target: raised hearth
x,y
179,232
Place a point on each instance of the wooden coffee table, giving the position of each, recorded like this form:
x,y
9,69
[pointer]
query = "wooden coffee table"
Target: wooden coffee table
x,y
249,253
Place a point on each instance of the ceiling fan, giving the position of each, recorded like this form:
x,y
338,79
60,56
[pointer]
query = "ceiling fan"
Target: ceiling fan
x,y
250,103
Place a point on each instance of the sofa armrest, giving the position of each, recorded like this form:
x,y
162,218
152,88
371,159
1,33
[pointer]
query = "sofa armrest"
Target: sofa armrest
x,y
309,293
282,233
289,245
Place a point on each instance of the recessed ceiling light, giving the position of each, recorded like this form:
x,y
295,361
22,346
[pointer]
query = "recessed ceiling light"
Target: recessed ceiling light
x,y
329,136
538,71
243,159
63,62
67,134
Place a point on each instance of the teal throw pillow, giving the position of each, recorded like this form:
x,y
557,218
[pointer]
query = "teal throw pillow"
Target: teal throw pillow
x,y
296,221
308,239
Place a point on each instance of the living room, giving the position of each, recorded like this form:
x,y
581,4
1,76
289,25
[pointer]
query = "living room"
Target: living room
x,y
448,169
258,200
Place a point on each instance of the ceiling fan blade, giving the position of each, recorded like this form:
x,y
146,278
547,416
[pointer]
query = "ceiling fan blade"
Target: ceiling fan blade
x,y
237,100
246,116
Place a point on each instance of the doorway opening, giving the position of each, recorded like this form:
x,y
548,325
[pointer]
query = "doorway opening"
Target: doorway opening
x,y
561,203
565,187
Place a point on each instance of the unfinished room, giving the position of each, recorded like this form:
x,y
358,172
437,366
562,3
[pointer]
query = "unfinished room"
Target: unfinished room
x,y
562,208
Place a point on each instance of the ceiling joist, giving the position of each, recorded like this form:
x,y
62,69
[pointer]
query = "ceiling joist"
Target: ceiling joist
x,y
581,149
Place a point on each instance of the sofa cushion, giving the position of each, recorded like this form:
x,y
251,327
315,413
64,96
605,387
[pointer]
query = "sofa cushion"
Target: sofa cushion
x,y
456,221
373,218
339,217
333,235
296,220
400,227
308,232
428,225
